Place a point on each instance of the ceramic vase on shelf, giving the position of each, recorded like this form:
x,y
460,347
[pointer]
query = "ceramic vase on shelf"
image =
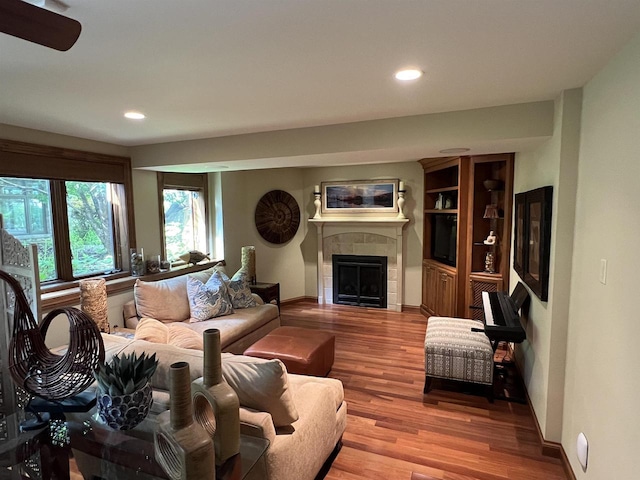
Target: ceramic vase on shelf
x,y
137,262
183,448
215,404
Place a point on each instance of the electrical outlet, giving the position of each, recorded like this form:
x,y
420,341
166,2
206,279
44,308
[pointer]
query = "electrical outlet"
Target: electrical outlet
x,y
603,271
582,450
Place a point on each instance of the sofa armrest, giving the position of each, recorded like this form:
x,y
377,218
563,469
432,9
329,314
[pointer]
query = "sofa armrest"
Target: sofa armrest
x,y
257,424
130,314
257,298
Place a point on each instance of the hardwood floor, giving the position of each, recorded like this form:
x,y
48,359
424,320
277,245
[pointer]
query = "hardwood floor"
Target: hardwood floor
x,y
396,432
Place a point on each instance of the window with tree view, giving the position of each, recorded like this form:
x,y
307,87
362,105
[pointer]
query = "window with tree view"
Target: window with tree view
x,y
184,222
27,206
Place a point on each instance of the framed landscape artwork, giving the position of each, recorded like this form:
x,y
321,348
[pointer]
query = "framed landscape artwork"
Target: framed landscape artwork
x,y
532,239
380,196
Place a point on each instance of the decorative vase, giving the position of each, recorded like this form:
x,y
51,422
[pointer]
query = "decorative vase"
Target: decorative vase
x,y
137,262
249,262
183,448
124,412
489,263
215,404
93,301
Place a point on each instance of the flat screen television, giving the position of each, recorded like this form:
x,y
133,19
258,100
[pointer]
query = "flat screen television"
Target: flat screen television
x,y
444,230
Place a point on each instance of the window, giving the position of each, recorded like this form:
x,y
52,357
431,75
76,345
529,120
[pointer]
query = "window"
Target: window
x,y
25,204
91,235
73,205
183,204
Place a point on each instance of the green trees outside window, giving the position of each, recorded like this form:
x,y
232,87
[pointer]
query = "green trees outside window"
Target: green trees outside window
x,y
27,206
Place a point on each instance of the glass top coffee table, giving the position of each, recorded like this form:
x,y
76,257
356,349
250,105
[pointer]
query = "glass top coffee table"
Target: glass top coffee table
x,y
80,442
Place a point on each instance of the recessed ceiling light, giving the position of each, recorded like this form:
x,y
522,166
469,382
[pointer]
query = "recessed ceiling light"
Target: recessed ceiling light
x,y
455,150
408,74
134,115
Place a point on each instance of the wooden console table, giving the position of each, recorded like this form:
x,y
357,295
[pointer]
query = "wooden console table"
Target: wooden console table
x,y
267,292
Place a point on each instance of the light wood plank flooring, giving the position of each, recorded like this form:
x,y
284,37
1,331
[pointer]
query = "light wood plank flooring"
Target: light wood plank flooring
x,y
396,432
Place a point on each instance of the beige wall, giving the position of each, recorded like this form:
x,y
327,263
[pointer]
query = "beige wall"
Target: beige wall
x,y
602,392
241,192
542,356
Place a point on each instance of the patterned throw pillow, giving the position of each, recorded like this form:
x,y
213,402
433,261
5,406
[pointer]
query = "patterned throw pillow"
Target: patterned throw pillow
x,y
239,290
208,300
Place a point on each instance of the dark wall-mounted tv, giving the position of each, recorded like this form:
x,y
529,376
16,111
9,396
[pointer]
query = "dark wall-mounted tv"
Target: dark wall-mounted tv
x,y
444,230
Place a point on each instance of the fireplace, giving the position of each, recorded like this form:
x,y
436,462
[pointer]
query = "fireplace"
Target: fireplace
x,y
360,280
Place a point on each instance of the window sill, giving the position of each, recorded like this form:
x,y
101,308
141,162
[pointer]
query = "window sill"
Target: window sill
x,y
68,294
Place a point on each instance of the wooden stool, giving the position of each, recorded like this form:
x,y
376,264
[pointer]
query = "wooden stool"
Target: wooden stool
x,y
303,351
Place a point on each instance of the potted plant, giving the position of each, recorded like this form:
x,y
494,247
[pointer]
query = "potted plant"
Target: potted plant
x,y
124,393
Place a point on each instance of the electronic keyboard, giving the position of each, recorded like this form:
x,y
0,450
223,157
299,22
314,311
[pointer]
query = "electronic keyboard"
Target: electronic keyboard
x,y
502,320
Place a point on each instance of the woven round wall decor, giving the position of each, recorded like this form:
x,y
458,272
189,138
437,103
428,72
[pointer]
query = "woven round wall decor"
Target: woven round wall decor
x,y
277,216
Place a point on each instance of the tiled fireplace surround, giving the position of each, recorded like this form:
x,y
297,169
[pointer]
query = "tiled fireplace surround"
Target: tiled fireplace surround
x,y
361,236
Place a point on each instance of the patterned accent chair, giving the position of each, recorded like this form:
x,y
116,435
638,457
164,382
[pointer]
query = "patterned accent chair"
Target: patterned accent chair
x,y
453,351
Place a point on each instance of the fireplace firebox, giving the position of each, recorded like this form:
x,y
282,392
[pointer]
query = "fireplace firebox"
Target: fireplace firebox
x,y
360,280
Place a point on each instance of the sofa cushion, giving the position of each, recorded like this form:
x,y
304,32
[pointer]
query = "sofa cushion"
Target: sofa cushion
x,y
239,290
180,335
208,300
165,300
176,333
239,324
261,385
152,330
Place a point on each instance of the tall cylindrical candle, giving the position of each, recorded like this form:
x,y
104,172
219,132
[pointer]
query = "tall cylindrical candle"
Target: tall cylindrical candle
x,y
316,189
401,186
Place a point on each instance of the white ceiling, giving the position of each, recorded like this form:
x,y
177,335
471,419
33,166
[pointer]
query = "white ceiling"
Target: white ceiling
x,y
210,68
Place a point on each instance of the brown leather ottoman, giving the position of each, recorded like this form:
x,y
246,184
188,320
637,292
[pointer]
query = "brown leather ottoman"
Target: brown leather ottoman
x,y
302,350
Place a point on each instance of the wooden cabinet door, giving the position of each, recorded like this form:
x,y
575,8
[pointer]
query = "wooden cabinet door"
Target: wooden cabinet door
x,y
446,294
429,288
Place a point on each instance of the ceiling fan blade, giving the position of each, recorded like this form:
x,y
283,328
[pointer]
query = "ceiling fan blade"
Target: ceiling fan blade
x,y
37,25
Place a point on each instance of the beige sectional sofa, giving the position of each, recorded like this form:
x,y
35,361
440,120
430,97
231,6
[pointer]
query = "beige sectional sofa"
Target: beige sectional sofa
x,y
167,301
297,449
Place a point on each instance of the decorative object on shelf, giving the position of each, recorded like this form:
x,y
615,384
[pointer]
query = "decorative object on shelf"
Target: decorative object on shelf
x,y
492,185
491,211
183,447
401,192
93,301
37,369
165,265
491,239
137,262
249,262
124,390
532,241
489,263
378,196
317,202
215,404
153,264
277,216
194,256
439,202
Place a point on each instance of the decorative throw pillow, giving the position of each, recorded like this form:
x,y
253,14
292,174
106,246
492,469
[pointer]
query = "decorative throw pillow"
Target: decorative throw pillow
x,y
151,330
262,385
165,300
180,335
239,290
208,300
